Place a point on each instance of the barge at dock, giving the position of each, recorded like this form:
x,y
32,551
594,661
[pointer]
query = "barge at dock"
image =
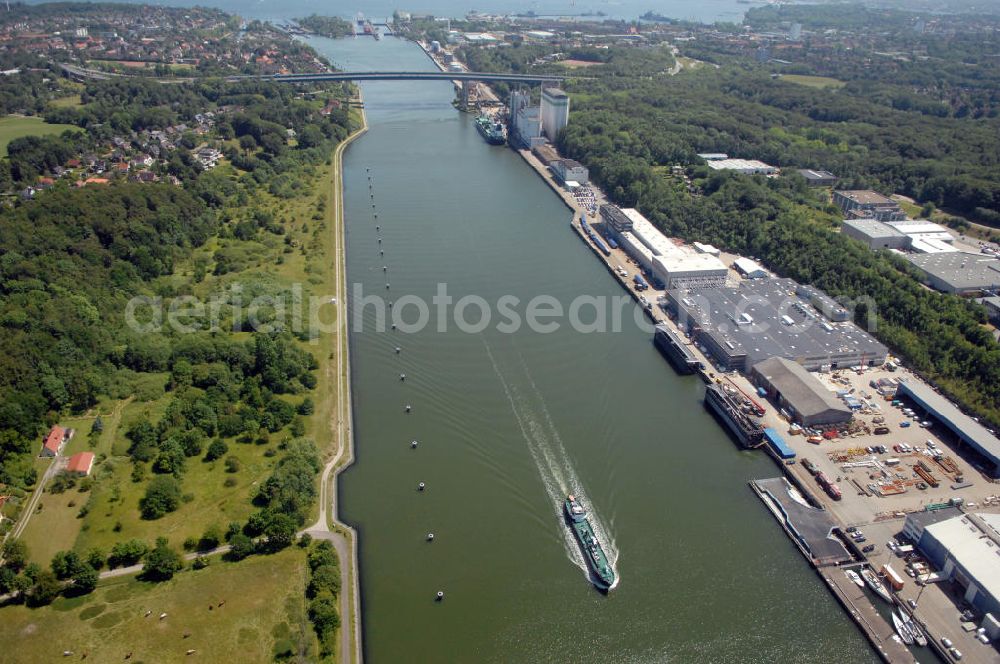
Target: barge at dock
x,y
729,408
673,347
601,573
491,130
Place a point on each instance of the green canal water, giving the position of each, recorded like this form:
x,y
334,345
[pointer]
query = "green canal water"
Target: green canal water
x,y
507,423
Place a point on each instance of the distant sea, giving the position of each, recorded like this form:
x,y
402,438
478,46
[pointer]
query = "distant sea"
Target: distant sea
x,y
706,11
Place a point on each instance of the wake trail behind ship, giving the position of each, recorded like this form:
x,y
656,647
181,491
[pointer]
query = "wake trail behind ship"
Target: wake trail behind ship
x,y
553,463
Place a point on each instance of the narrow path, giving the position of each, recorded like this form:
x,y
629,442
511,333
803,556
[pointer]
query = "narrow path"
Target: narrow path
x,y
343,538
58,463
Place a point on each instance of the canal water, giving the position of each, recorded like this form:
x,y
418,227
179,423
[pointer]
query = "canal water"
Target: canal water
x,y
509,422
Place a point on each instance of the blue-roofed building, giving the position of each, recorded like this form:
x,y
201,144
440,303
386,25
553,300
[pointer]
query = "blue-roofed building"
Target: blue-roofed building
x,y
778,444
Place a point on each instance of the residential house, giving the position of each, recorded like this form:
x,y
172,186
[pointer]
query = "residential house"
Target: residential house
x,y
80,463
54,442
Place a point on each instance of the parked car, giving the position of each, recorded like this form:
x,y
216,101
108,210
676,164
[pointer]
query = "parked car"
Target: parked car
x,y
946,642
904,424
859,540
868,548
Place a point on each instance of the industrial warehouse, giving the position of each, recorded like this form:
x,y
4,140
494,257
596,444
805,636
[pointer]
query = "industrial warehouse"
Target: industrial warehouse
x,y
963,546
793,388
670,265
958,272
917,236
765,318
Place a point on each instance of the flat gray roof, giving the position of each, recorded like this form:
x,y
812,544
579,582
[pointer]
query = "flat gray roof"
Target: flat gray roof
x,y
866,197
961,271
963,426
810,174
929,517
872,228
970,540
800,388
765,301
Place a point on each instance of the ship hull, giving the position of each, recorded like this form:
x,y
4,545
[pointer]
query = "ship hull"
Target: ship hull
x,y
585,537
671,348
746,433
490,134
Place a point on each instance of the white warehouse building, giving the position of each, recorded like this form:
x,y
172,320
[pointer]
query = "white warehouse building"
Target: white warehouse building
x,y
676,266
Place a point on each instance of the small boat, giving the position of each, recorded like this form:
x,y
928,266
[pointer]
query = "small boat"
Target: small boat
x,y
853,576
914,629
875,584
902,629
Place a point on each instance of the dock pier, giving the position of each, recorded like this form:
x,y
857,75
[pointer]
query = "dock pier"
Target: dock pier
x,y
860,608
801,526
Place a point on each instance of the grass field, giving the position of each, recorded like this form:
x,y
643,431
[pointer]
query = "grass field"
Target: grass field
x,y
578,64
264,602
690,63
64,102
813,81
56,526
16,126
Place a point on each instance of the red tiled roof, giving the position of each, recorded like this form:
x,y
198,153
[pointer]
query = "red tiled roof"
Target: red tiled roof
x,y
55,439
81,462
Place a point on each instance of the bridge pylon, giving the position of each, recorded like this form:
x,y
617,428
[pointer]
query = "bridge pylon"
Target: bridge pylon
x,y
466,86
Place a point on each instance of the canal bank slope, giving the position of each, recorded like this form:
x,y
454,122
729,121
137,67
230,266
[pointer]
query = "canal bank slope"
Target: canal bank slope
x,y
337,411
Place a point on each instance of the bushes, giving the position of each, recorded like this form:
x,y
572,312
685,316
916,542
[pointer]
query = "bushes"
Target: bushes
x,y
127,553
162,562
216,450
322,591
163,495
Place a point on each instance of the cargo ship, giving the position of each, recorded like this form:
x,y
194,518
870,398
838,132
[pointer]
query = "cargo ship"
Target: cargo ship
x,y
676,351
601,573
730,410
492,131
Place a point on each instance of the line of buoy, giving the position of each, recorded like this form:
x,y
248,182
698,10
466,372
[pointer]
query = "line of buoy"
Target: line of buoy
x,y
439,596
